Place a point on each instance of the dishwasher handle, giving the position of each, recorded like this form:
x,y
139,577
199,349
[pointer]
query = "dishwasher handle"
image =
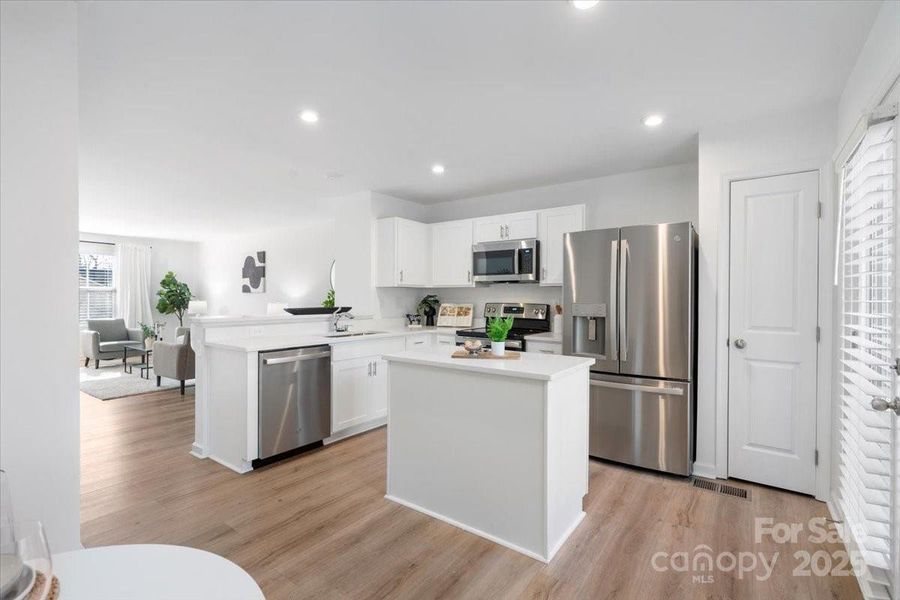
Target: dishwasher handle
x,y
298,358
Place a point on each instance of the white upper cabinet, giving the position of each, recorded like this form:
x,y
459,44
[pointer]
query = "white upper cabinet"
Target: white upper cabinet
x,y
403,253
554,223
451,254
413,254
514,226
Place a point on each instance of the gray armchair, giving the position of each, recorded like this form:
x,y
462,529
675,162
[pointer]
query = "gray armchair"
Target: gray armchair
x,y
174,360
104,338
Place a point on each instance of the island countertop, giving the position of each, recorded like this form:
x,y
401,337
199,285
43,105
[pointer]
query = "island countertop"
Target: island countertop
x,y
545,367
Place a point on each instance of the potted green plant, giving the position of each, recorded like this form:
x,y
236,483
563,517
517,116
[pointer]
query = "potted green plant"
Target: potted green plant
x,y
428,306
174,297
497,329
149,333
328,302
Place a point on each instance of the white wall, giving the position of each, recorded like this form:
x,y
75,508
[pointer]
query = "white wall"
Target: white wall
x,y
298,266
876,70
666,194
165,255
39,441
662,195
770,145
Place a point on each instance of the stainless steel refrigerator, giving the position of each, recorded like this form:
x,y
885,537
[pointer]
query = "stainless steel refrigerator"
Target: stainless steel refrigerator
x,y
629,298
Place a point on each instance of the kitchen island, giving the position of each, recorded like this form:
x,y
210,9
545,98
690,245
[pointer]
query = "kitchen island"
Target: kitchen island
x,y
496,447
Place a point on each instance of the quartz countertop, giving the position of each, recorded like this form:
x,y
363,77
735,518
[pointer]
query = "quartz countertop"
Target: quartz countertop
x,y
544,367
275,342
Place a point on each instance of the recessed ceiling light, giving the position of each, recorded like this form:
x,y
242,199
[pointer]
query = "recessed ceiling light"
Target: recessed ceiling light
x,y
437,169
309,116
653,120
585,4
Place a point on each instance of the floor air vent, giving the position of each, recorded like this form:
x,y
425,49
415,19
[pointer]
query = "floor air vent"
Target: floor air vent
x,y
705,484
721,488
737,492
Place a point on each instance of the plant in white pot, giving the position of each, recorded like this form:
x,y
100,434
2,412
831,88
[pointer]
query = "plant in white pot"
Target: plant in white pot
x,y
149,333
497,329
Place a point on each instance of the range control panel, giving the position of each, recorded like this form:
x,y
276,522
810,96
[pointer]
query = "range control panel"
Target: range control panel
x,y
539,312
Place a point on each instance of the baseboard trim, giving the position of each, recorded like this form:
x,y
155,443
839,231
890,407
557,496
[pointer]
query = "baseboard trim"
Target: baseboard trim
x,y
705,470
198,451
477,532
566,535
355,430
244,469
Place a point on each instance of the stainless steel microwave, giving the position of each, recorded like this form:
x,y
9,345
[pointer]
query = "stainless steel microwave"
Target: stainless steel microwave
x,y
509,261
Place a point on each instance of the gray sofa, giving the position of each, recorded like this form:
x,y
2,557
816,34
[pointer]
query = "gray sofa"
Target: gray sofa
x,y
174,360
104,338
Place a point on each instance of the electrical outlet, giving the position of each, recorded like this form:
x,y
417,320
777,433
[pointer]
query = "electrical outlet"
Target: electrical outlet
x,y
256,331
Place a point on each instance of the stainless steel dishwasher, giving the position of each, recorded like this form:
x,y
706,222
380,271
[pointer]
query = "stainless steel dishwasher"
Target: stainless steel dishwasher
x,y
294,399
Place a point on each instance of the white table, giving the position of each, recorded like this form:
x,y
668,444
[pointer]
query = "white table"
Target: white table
x,y
151,572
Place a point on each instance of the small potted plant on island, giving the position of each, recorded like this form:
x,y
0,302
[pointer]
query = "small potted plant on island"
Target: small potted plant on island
x,y
497,329
428,306
149,333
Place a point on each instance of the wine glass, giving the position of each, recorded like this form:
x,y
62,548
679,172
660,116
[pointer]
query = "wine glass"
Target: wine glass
x,y
11,566
36,577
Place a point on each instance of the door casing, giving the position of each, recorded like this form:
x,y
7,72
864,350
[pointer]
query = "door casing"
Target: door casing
x,y
824,375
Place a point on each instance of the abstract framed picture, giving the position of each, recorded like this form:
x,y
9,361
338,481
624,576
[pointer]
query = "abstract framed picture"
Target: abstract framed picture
x,y
253,273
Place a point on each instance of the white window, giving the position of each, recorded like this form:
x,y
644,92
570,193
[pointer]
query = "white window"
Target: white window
x,y
96,282
867,353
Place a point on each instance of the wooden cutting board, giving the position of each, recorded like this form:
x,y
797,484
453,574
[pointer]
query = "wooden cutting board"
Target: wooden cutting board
x,y
508,355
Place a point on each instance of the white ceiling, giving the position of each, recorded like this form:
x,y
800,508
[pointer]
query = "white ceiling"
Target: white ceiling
x,y
189,110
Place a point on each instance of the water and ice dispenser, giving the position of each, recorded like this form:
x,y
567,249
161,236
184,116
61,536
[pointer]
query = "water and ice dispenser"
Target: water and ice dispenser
x,y
589,330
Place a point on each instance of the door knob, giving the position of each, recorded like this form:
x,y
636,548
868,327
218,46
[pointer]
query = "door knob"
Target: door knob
x,y
885,404
740,344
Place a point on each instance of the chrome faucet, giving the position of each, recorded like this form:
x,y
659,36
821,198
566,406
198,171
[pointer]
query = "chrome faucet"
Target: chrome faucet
x,y
336,321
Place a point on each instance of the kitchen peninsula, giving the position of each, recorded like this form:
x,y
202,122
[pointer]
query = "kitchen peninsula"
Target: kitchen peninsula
x,y
498,448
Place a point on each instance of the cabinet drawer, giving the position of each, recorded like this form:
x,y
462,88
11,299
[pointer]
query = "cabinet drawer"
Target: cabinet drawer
x,y
418,342
357,349
445,341
544,347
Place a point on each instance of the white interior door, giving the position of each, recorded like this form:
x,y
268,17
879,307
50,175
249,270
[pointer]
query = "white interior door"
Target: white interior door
x,y
772,325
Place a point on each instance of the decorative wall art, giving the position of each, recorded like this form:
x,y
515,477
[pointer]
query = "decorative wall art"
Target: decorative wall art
x,y
254,273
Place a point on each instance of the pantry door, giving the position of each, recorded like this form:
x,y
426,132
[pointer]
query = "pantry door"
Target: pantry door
x,y
772,330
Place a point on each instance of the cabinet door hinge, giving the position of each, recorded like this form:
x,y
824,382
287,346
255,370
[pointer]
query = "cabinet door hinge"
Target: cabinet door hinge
x,y
727,342
819,211
818,334
817,457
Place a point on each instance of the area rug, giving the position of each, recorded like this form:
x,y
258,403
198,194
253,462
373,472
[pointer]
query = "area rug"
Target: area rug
x,y
110,381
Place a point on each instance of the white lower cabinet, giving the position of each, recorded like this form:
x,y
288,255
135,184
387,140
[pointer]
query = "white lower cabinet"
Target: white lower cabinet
x,y
445,341
544,347
350,383
418,342
359,381
378,389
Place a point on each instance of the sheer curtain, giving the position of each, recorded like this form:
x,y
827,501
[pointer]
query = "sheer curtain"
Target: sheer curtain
x,y
134,284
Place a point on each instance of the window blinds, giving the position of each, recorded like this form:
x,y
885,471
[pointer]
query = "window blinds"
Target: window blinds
x,y
96,287
867,338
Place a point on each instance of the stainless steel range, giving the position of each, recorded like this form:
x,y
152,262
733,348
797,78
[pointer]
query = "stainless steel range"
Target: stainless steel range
x,y
528,320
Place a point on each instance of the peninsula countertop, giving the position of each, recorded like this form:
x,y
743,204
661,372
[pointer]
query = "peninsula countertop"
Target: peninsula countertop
x,y
545,367
299,340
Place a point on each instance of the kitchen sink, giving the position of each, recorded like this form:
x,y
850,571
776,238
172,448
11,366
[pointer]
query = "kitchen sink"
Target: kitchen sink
x,y
349,334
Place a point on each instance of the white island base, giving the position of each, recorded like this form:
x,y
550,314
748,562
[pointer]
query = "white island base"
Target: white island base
x,y
497,448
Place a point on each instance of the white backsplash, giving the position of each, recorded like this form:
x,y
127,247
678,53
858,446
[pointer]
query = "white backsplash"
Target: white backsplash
x,y
502,292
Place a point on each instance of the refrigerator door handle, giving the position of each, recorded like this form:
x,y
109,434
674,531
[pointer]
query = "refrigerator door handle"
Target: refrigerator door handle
x,y
623,297
611,337
638,388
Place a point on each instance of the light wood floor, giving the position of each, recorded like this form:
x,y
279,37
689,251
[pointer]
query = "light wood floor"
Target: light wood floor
x,y
317,526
